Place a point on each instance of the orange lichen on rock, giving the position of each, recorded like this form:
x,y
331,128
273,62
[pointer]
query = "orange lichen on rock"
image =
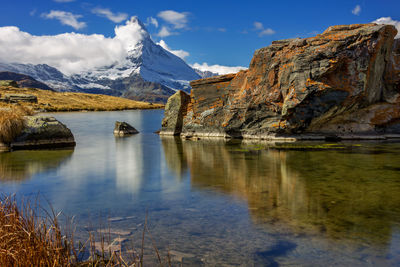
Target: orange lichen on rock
x,y
295,83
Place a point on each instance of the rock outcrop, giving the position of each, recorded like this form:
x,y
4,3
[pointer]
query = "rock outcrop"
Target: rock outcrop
x,y
43,132
344,83
123,128
16,98
175,111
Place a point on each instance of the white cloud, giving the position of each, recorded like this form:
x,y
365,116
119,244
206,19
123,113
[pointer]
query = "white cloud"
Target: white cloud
x,y
70,52
267,31
107,13
152,21
33,12
66,18
356,10
63,1
165,31
177,19
390,21
258,26
180,53
217,68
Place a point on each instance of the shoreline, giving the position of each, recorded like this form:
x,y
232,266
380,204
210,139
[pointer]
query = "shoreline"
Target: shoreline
x,y
98,110
288,138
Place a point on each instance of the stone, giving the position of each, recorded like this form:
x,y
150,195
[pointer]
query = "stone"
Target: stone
x,y
123,128
15,98
175,111
342,83
43,132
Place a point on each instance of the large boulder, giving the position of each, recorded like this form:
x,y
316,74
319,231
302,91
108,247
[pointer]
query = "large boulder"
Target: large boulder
x,y
175,110
43,132
344,82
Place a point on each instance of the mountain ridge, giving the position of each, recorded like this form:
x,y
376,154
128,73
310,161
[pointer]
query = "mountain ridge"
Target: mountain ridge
x,y
148,73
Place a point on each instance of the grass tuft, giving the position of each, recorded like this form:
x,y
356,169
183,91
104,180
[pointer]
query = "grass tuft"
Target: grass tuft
x,y
12,122
27,241
31,236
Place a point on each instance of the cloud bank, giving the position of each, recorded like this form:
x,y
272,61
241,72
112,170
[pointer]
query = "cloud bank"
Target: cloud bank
x,y
217,68
70,52
390,21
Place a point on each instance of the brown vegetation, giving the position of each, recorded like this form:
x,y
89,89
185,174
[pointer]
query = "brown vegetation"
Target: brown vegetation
x,y
67,101
32,236
27,241
12,121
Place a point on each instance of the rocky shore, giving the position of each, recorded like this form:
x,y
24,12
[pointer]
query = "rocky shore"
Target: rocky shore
x,y
341,84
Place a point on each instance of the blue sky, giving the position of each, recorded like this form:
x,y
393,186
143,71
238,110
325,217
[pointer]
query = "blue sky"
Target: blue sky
x,y
215,32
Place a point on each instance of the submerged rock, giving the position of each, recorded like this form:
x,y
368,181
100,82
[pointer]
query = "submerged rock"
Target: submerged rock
x,y
123,128
43,132
343,83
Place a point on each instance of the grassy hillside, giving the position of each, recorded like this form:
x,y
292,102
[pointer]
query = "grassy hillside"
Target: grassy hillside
x,y
60,101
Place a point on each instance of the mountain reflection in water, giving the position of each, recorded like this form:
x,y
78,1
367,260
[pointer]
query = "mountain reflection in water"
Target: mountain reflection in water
x,y
21,165
339,194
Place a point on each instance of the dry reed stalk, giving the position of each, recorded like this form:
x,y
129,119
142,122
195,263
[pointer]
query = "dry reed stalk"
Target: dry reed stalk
x,y
12,122
27,241
32,236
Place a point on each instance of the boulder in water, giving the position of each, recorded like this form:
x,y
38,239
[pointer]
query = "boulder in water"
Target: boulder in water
x,y
123,128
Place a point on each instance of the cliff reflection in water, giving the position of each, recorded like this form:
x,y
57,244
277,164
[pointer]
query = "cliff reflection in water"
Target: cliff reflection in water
x,y
341,194
21,165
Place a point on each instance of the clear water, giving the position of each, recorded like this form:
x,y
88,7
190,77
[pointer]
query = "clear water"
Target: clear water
x,y
217,202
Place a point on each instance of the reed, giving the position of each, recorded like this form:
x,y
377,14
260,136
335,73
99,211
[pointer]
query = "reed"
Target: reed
x,y
31,236
27,241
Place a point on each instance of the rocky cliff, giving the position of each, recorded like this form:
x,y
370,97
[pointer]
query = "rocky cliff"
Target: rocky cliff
x,y
343,83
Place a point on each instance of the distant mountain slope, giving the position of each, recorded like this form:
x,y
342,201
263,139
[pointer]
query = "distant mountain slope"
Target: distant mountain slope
x,y
23,80
148,73
206,73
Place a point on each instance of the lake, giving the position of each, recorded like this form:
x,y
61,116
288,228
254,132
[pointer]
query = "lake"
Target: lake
x,y
219,202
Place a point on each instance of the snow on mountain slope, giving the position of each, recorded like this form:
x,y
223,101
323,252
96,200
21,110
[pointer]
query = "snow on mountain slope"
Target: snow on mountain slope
x,y
148,72
43,73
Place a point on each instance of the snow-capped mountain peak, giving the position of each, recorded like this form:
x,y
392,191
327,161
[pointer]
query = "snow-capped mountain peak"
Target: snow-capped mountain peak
x,y
147,69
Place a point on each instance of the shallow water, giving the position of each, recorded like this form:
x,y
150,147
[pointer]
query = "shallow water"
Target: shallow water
x,y
217,202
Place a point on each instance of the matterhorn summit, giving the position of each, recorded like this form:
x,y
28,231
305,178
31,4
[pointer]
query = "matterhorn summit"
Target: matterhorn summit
x,y
129,64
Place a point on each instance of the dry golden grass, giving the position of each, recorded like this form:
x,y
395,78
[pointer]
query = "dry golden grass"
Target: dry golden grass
x,y
63,101
12,121
32,236
27,241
